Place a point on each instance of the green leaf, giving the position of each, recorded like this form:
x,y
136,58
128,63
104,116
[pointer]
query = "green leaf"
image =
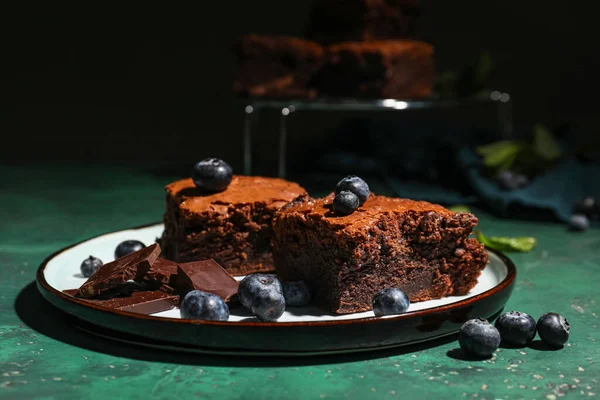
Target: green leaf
x,y
499,155
502,243
494,147
544,143
460,208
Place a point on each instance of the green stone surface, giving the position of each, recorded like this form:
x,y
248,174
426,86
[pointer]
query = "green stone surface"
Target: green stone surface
x,y
43,209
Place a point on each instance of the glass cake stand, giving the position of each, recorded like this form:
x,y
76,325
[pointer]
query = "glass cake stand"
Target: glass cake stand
x,y
252,107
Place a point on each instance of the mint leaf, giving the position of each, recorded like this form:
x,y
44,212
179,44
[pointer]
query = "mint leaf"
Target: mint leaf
x,y
502,243
500,155
493,147
544,144
460,208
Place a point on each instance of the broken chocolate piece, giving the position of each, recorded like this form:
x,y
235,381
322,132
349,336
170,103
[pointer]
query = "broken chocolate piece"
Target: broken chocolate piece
x,y
208,276
139,302
130,267
161,275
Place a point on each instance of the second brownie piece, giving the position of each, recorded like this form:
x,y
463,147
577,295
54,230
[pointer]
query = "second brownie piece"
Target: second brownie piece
x,y
333,21
393,69
276,66
422,248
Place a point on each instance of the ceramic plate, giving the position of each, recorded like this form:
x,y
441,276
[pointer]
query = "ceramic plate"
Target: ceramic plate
x,y
299,331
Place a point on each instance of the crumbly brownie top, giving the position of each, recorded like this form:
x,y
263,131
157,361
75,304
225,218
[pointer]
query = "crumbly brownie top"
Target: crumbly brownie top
x,y
273,192
374,206
387,47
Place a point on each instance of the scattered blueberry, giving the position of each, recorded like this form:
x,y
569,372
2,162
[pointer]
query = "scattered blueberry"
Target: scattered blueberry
x,y
553,329
128,247
206,306
355,185
90,265
390,301
212,175
587,207
252,284
516,328
345,202
296,294
510,180
477,337
268,305
579,222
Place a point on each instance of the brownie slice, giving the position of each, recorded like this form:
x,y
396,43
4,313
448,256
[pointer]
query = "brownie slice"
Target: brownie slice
x,y
333,21
130,267
398,69
422,248
276,66
233,227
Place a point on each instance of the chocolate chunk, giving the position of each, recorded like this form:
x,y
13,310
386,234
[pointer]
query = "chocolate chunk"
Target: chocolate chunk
x,y
148,302
208,276
160,276
130,267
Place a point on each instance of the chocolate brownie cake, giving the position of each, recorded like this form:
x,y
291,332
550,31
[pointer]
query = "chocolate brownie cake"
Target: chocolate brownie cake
x,y
276,66
334,21
397,69
233,227
422,248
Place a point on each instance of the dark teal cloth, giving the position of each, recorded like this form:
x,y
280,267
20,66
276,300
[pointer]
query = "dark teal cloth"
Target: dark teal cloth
x,y
553,192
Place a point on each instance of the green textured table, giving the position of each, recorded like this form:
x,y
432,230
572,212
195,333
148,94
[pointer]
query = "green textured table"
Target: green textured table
x,y
43,209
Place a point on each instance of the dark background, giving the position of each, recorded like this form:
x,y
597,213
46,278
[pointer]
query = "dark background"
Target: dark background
x,y
112,85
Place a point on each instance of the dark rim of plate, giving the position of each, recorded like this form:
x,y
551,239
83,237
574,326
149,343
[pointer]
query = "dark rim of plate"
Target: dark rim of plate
x,y
42,283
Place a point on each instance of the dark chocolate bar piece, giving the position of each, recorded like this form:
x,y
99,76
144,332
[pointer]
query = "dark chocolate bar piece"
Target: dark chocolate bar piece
x,y
148,302
161,276
205,275
130,267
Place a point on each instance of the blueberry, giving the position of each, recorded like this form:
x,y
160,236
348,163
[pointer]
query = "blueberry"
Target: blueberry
x,y
477,337
345,202
587,207
90,265
252,284
579,222
516,328
510,180
206,306
553,329
296,294
128,247
268,305
355,185
212,175
390,301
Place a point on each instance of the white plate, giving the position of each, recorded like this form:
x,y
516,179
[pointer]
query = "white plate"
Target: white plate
x,y
307,330
62,272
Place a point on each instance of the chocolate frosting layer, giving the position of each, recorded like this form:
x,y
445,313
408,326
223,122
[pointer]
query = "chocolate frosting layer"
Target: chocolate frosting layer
x,y
375,205
274,192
